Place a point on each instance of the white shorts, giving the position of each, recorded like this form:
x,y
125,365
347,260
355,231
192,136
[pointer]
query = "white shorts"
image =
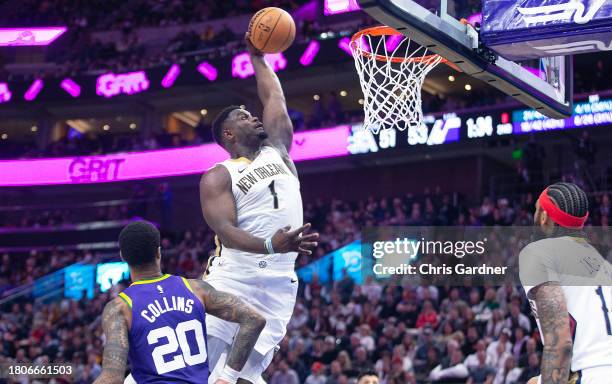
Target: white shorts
x,y
271,290
218,351
595,375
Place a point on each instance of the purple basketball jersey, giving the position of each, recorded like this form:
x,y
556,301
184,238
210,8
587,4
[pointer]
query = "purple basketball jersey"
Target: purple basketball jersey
x,y
168,333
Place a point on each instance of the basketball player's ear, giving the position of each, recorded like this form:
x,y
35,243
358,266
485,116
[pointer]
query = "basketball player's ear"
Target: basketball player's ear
x,y
121,256
158,256
543,217
228,135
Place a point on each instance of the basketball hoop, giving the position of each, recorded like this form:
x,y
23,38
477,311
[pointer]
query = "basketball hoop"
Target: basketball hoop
x,y
391,70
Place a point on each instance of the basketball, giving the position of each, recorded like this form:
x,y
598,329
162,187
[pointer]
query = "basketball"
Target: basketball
x,y
272,30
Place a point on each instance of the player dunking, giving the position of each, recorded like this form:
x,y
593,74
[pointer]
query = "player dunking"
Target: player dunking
x,y
158,323
253,203
569,286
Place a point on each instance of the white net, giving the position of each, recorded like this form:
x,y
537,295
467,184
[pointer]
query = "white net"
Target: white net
x,y
391,70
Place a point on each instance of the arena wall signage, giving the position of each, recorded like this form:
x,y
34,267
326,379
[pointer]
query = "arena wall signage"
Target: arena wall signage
x,y
29,36
341,140
311,145
189,73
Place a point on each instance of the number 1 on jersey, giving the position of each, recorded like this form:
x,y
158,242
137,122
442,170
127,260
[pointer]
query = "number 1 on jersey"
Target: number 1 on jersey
x,y
274,196
604,307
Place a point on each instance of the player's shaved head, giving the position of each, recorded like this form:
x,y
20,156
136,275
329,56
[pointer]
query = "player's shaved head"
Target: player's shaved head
x,y
139,243
237,130
217,125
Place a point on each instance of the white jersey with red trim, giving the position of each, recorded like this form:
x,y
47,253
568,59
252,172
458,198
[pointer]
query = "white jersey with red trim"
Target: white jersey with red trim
x,y
586,279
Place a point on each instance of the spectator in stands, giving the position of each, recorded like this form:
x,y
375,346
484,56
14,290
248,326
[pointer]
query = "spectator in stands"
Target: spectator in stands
x,y
509,374
520,340
495,324
452,372
532,370
428,316
369,377
472,360
284,375
318,375
335,372
517,319
482,373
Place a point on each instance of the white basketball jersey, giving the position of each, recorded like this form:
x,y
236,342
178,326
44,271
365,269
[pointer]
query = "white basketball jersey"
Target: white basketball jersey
x,y
586,279
268,198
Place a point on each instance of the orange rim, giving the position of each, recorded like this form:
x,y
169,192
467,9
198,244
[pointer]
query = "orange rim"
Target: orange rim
x,y
383,30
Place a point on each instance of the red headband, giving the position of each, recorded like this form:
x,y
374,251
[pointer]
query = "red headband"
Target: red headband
x,y
564,219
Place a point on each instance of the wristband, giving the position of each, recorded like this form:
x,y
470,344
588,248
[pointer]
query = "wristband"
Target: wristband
x,y
268,246
230,375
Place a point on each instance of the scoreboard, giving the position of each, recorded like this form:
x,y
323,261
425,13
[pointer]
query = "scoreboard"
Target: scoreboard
x,y
452,127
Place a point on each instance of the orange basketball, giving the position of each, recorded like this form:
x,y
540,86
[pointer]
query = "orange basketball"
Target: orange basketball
x,y
272,30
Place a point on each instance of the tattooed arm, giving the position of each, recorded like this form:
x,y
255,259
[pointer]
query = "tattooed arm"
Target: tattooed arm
x,y
117,345
229,307
554,324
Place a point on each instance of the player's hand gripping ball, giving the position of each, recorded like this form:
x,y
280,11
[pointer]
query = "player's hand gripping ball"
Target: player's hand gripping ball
x,y
271,30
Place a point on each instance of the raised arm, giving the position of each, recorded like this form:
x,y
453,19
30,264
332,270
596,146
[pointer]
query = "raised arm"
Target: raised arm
x,y
116,349
554,324
229,307
219,210
275,117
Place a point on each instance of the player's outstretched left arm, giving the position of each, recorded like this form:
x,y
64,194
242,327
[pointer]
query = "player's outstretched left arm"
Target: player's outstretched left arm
x,y
117,345
554,324
229,307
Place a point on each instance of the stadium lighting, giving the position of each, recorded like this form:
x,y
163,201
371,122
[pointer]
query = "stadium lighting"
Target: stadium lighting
x,y
468,87
310,53
316,97
334,7
343,93
5,93
106,127
451,78
345,45
4,136
132,125
204,112
34,128
34,90
360,101
171,76
208,71
71,87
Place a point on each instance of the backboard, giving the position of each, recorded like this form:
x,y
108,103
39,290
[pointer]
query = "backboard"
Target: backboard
x,y
546,86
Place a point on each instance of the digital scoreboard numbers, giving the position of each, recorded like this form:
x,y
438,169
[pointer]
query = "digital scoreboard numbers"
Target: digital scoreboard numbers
x,y
431,132
451,127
